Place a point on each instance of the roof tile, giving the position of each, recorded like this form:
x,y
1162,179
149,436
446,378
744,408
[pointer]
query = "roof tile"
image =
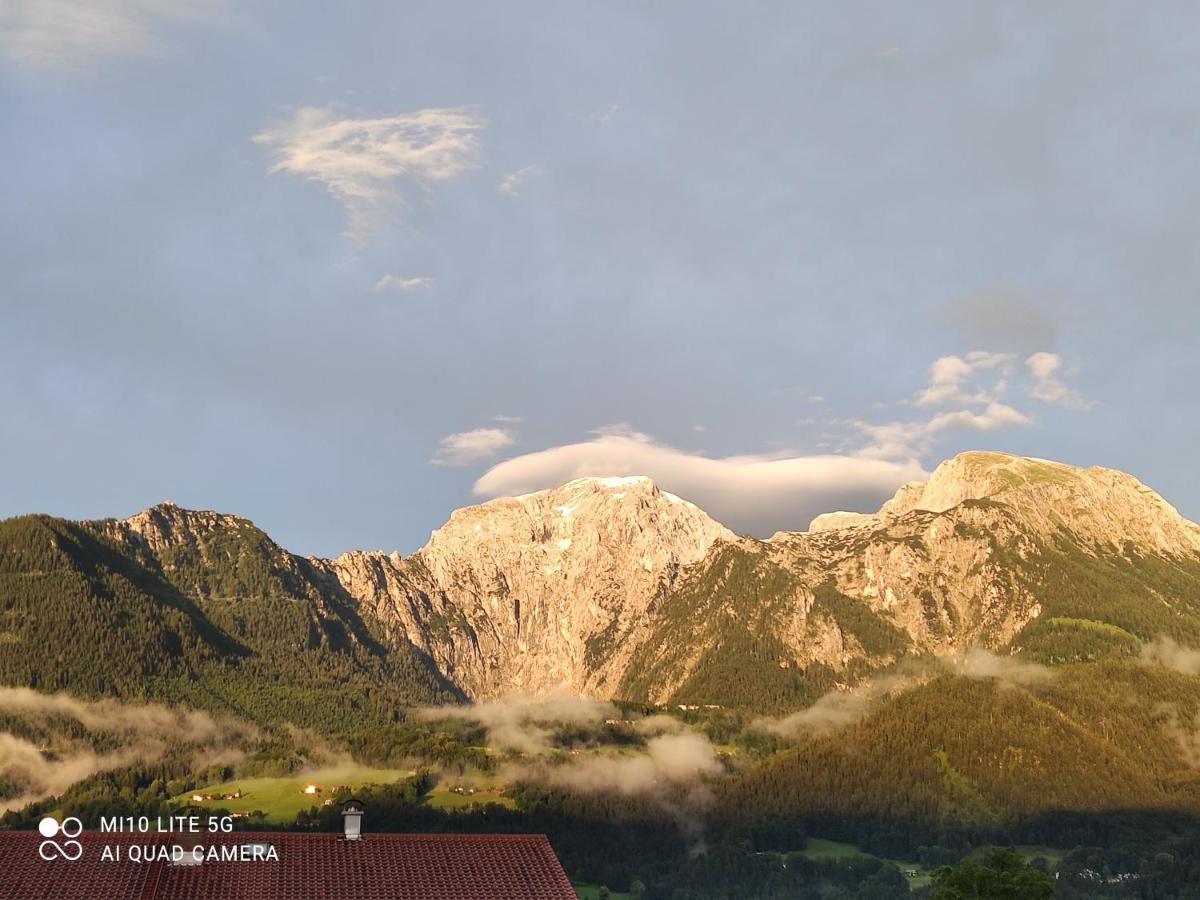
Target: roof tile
x,y
310,867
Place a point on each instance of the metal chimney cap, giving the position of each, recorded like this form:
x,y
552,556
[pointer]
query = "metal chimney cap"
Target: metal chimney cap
x,y
352,815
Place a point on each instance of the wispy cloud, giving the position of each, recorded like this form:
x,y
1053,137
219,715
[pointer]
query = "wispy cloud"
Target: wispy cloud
x,y
966,393
983,665
73,34
904,440
525,723
465,448
761,493
948,375
514,180
131,733
367,164
670,771
1164,651
840,708
1049,387
392,282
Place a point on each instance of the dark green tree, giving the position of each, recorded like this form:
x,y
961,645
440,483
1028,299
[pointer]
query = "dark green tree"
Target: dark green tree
x,y
1003,875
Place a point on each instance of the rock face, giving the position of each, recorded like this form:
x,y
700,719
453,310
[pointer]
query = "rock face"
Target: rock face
x,y
612,587
973,558
167,525
544,590
210,554
1103,506
835,521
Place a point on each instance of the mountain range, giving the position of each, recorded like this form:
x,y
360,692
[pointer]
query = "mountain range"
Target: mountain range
x,y
607,587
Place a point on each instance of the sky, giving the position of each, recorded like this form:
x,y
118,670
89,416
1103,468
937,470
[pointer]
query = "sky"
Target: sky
x,y
342,268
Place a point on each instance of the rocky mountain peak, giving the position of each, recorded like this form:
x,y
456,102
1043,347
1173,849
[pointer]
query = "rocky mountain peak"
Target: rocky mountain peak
x,y
626,519
1100,505
166,524
548,588
610,586
564,587
835,521
585,557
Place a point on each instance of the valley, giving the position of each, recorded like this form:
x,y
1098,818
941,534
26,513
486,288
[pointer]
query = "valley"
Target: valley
x,y
1001,655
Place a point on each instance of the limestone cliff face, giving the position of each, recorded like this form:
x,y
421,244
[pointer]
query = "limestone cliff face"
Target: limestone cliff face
x,y
952,561
1103,507
604,584
948,580
612,587
964,560
548,589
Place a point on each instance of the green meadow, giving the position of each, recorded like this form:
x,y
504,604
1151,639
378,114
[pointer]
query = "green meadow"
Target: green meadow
x,y
282,798
467,790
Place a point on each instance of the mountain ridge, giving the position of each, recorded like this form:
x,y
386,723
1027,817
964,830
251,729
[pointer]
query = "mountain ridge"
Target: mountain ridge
x,y
613,588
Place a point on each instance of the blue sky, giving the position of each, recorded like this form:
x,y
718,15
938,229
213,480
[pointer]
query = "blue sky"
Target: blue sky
x,y
342,268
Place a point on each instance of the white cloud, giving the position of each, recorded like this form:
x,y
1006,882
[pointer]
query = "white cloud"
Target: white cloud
x,y
1166,652
524,723
400,283
971,386
904,440
465,448
512,420
831,712
513,180
669,760
949,374
754,493
366,163
1048,387
983,665
764,493
70,34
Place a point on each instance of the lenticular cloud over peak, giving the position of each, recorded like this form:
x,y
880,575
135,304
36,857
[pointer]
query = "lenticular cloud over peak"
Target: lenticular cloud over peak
x,y
753,494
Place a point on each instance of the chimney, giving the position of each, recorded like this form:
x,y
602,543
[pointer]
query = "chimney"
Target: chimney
x,y
352,814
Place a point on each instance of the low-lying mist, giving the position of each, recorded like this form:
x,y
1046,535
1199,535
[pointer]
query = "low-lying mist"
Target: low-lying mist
x,y
668,770
128,733
53,741
839,708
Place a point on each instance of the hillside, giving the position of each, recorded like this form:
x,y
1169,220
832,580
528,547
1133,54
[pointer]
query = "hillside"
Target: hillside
x,y
986,659
1000,552
1095,738
193,608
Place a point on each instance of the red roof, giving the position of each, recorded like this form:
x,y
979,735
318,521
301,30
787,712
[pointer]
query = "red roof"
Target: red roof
x,y
309,867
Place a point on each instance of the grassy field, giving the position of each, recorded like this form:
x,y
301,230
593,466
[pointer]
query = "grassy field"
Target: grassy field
x,y
455,792
819,848
281,798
